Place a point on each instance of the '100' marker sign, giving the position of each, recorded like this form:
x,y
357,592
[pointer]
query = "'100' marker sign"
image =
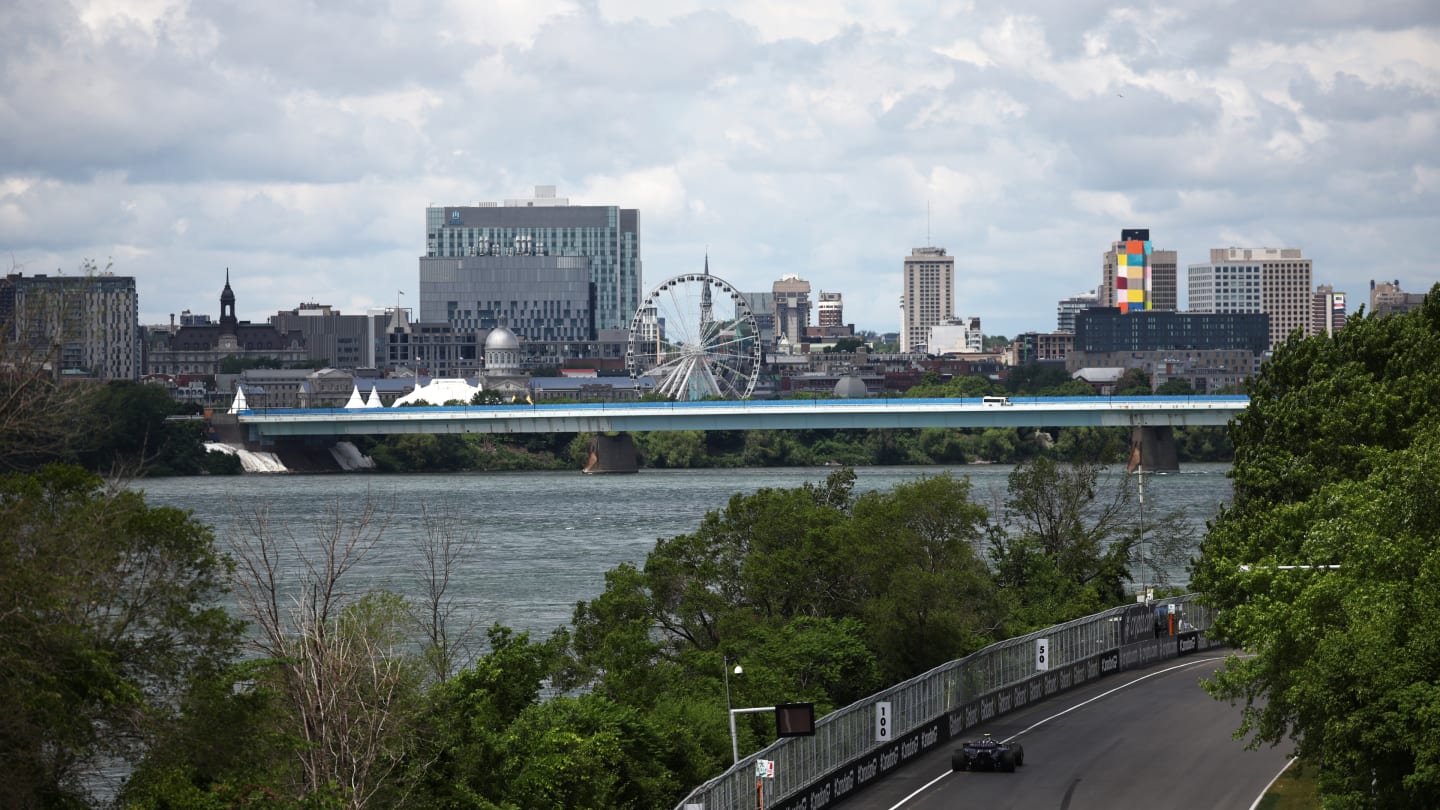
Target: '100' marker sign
x,y
882,721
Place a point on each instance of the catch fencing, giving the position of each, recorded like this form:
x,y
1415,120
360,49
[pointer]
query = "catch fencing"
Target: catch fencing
x,y
849,750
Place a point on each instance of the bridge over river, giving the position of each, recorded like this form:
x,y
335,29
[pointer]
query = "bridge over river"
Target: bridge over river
x,y
1150,417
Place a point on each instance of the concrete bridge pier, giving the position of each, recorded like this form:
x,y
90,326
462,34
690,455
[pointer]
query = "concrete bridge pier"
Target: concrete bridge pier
x,y
611,454
1154,448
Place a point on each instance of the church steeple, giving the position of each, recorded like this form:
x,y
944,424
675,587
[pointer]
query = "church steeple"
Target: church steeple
x,y
227,305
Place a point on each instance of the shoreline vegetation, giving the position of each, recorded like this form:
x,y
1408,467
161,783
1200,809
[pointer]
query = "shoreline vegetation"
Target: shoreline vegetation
x,y
772,448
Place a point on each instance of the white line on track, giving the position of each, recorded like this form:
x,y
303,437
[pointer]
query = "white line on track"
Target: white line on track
x,y
1192,662
1261,797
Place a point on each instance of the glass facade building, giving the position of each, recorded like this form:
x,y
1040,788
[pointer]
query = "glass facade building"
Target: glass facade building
x,y
541,298
608,236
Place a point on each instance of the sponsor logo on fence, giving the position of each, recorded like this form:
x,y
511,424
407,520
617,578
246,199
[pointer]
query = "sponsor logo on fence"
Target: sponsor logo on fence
x,y
1109,662
1138,623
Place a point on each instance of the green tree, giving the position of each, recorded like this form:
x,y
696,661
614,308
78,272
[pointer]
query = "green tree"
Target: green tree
x,y
126,428
933,387
679,449
584,751
109,612
1069,388
234,364
1335,460
926,596
1059,554
226,750
1098,444
1347,657
1176,387
1134,383
1071,538
1035,377
461,752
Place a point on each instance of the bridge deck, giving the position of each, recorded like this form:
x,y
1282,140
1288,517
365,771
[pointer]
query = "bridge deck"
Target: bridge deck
x,y
751,415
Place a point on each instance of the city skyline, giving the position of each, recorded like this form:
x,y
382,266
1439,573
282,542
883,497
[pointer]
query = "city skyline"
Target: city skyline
x,y
294,146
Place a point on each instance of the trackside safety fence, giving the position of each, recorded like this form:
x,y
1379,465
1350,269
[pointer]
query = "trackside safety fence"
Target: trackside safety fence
x,y
851,749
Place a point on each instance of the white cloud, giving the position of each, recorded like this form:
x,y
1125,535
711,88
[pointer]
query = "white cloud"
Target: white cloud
x,y
1113,205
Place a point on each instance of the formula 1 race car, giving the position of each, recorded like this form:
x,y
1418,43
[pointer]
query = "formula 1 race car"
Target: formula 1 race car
x,y
987,754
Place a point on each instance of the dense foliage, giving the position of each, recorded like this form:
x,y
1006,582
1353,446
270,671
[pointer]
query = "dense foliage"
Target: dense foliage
x,y
115,428
108,613
423,452
1338,458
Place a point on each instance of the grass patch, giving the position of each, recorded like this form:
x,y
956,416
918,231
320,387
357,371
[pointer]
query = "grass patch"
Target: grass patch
x,y
1296,789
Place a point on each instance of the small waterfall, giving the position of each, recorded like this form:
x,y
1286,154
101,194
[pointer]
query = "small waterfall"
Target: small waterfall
x,y
349,457
249,461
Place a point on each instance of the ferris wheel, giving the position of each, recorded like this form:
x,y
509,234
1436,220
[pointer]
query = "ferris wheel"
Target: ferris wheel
x,y
696,336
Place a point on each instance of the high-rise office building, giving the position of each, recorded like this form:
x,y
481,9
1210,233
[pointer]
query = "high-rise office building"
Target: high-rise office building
x,y
792,307
1137,277
831,309
537,297
609,236
1274,281
1327,311
80,324
929,297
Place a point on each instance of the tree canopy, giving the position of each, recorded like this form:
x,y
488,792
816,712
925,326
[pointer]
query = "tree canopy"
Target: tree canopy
x,y
1337,460
109,611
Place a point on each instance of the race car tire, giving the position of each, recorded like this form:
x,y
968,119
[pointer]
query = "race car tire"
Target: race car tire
x,y
1019,754
958,761
1007,762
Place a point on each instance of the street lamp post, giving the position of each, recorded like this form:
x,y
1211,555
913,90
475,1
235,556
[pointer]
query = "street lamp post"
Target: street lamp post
x,y
1140,487
729,709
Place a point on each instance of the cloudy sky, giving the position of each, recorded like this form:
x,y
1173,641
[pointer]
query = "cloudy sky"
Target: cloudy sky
x,y
298,143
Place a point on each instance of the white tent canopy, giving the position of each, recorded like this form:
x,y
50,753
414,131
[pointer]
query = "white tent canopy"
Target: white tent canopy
x,y
239,404
439,392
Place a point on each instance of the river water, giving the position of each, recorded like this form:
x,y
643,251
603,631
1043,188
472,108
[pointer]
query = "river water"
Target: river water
x,y
542,541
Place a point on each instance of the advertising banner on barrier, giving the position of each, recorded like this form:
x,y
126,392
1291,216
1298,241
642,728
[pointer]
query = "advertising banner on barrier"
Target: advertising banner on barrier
x,y
1137,624
863,772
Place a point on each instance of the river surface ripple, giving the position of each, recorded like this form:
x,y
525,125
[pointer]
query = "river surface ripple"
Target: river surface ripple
x,y
542,541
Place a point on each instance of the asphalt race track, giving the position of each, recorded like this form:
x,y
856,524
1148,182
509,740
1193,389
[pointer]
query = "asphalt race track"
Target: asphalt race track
x,y
1146,739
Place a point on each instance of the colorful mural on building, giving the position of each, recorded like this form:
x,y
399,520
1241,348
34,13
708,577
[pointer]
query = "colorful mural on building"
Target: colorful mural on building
x,y
1132,273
